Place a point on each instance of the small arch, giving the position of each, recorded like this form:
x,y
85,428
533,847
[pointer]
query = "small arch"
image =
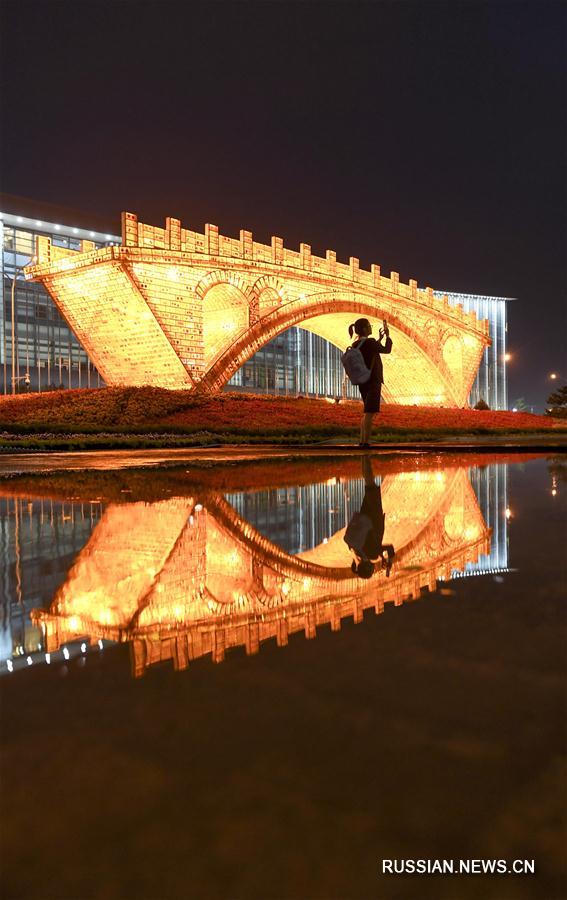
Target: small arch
x,y
432,329
226,316
227,277
269,291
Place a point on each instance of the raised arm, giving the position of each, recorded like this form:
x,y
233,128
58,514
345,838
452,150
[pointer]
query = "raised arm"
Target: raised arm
x,y
384,348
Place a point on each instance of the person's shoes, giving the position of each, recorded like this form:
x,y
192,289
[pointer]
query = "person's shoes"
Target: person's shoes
x,y
364,447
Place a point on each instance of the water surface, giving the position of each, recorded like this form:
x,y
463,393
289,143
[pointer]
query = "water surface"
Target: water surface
x,y
346,722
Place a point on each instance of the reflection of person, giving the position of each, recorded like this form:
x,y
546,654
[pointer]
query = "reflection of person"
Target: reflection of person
x,y
364,534
371,390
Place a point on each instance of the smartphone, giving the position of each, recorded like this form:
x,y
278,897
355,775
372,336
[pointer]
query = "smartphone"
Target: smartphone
x,y
384,324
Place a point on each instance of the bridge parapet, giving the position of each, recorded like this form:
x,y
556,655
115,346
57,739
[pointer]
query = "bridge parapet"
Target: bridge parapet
x,y
174,237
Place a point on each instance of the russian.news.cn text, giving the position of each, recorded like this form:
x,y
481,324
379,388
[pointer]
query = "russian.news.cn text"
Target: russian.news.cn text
x,y
458,867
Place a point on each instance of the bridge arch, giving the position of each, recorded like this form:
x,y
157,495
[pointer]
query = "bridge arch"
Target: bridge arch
x,y
413,374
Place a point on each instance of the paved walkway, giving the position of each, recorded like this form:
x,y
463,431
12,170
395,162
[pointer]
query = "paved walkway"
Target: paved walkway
x,y
38,462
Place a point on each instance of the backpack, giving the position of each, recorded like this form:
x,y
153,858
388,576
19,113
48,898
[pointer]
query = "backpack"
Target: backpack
x,y
353,363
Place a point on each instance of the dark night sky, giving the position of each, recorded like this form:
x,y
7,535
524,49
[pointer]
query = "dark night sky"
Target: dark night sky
x,y
427,137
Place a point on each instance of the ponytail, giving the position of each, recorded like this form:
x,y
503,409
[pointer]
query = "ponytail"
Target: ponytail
x,y
358,326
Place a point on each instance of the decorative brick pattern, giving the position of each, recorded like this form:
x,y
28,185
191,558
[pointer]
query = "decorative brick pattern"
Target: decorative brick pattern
x,y
208,295
182,579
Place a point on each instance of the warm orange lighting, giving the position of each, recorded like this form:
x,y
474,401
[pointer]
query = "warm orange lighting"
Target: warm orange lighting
x,y
507,357
508,513
178,309
183,590
553,376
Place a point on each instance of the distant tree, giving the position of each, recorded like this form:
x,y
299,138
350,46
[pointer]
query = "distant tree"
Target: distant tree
x,y
482,404
557,402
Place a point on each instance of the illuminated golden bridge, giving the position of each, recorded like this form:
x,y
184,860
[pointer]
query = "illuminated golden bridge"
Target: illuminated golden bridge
x,y
188,576
178,309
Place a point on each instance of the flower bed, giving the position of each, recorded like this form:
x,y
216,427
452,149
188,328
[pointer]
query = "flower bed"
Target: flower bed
x,y
94,408
281,414
142,410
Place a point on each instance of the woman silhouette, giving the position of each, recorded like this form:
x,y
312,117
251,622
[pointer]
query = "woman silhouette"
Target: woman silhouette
x,y
371,389
364,534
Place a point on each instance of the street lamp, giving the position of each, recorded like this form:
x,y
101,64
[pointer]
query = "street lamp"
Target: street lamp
x,y
507,357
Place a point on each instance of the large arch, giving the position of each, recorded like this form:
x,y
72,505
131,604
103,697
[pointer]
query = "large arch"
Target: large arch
x,y
412,375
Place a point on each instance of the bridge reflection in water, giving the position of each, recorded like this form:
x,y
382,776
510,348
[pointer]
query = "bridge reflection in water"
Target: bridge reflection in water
x,y
191,575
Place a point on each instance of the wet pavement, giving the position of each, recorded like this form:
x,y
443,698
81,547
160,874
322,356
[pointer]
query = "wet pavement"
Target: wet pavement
x,y
54,461
201,697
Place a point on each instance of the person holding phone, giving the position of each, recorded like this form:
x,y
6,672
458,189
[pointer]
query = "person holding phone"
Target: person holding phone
x,y
371,390
364,534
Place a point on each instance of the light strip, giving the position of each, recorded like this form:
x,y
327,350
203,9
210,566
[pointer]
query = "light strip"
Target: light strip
x,y
68,230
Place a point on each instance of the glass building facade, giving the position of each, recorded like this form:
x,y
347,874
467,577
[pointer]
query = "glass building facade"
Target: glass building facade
x,y
38,350
300,518
39,539
47,355
490,383
295,362
490,484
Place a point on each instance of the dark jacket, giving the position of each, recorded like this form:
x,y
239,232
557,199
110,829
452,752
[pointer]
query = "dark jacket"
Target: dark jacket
x,y
371,349
372,507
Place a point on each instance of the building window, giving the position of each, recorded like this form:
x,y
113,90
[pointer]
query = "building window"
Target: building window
x,y
24,242
9,238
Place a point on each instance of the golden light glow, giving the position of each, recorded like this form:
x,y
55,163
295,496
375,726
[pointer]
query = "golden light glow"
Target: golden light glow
x,y
225,316
179,309
183,590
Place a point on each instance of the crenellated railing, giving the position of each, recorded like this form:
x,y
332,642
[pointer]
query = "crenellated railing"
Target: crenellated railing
x,y
175,239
